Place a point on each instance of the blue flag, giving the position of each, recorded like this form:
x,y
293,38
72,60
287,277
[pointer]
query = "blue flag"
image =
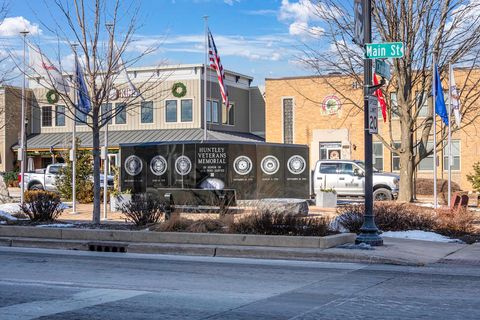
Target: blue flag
x,y
440,107
83,103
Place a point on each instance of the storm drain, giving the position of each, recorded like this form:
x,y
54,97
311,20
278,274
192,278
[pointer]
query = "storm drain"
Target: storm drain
x,y
107,247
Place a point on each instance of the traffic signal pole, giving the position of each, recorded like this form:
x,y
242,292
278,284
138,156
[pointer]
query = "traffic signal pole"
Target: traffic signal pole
x,y
369,231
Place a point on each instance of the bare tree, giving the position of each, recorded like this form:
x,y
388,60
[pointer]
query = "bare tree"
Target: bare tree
x,y
446,29
102,31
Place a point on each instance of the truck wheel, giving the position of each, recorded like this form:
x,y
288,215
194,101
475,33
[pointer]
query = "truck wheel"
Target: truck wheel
x,y
382,194
36,187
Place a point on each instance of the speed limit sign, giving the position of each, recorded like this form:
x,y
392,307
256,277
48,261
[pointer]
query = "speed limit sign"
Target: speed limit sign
x,y
372,114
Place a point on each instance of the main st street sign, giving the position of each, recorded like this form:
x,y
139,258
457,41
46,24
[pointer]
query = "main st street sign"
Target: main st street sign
x,y
383,50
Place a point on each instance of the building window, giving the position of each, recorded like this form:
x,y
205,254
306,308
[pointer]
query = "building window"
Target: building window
x,y
106,113
59,116
47,116
330,150
146,112
80,117
395,157
171,111
394,105
121,113
455,155
427,163
212,111
378,155
228,114
423,112
288,120
186,110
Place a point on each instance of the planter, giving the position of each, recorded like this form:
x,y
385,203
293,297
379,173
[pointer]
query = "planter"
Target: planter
x,y
116,201
326,199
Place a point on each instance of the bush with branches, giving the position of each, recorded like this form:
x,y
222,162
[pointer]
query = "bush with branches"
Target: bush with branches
x,y
143,209
42,206
474,178
11,178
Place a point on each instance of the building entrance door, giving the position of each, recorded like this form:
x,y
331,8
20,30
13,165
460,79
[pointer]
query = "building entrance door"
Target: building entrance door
x,y
330,150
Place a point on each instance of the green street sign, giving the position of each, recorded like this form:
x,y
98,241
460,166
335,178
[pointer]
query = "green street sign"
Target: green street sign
x,y
382,68
384,50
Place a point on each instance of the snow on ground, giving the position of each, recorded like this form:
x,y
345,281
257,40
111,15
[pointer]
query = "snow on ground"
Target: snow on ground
x,y
56,225
10,208
418,235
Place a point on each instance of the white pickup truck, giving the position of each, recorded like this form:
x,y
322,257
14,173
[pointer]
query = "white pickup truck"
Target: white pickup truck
x,y
44,179
347,177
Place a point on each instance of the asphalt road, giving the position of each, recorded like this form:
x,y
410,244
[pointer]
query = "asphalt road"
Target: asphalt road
x,y
53,284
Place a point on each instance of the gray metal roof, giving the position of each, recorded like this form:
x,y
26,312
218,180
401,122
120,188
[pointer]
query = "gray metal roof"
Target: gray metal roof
x,y
115,138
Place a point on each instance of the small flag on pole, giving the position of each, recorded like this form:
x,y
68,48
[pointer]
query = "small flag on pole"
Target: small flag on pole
x,y
381,100
455,99
41,66
217,65
437,91
83,102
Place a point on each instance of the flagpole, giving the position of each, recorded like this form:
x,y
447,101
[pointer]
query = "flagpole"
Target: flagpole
x,y
434,84
22,150
73,157
450,71
205,81
105,151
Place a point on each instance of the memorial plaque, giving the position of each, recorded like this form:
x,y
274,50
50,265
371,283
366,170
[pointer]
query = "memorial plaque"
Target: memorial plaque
x,y
242,170
296,171
270,163
211,165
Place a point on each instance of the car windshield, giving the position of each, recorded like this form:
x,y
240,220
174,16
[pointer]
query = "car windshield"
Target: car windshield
x,y
361,164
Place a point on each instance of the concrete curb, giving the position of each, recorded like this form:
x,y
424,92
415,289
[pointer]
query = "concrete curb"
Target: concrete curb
x,y
177,237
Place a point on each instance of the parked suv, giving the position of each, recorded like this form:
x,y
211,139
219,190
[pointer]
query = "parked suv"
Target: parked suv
x,y
347,177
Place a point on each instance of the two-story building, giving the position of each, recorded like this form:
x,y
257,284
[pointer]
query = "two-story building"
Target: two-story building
x,y
171,110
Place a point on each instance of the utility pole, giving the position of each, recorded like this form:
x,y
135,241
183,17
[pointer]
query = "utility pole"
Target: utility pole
x,y
369,231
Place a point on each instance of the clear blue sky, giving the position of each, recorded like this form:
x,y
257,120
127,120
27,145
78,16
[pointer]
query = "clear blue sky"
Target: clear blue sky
x,y
260,38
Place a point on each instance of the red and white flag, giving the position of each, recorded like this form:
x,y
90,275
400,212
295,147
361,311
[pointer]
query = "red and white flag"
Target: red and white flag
x,y
217,65
41,66
380,98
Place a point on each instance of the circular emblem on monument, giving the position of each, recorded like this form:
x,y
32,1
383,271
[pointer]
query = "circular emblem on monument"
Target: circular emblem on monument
x,y
183,165
242,165
270,165
133,165
296,164
158,165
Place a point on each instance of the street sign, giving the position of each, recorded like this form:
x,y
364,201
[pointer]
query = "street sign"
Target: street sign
x,y
372,114
382,68
383,50
358,32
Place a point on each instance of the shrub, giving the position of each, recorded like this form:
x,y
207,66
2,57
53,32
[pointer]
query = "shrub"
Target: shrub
x,y
174,224
207,225
42,206
11,178
474,178
143,209
425,187
454,223
84,172
266,222
389,216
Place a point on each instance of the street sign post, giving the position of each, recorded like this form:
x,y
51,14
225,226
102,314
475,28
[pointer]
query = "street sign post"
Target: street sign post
x,y
359,30
383,50
372,115
382,68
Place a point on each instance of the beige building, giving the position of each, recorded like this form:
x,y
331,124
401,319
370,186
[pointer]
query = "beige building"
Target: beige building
x,y
307,110
159,117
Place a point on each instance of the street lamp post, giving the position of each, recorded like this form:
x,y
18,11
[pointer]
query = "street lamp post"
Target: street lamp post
x,y
369,231
22,125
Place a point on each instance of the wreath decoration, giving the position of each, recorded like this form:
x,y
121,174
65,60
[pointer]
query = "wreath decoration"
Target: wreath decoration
x,y
52,96
179,90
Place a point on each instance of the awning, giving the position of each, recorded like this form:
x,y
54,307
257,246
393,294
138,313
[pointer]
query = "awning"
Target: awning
x,y
44,141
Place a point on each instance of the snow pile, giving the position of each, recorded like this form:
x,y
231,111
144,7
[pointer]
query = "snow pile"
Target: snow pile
x,y
56,225
418,235
10,208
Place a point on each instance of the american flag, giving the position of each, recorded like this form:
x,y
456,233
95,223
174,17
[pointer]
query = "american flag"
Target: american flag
x,y
217,65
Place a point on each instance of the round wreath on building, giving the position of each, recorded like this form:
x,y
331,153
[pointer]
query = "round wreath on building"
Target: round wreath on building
x,y
52,96
179,90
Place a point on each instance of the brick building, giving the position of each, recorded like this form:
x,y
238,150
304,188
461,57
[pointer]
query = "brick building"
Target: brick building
x,y
307,110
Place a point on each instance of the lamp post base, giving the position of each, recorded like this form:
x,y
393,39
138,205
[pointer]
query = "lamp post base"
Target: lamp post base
x,y
371,238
